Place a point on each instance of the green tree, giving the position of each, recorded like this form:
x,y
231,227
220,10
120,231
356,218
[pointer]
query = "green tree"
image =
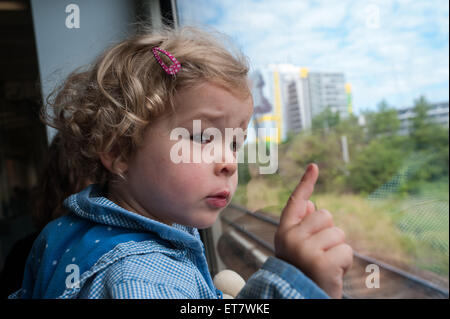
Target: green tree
x,y
430,142
325,121
383,122
422,129
354,132
376,164
322,149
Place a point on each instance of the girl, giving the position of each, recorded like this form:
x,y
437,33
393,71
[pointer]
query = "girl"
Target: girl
x,y
133,233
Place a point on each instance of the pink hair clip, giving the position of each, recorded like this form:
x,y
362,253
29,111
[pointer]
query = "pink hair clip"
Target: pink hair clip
x,y
174,68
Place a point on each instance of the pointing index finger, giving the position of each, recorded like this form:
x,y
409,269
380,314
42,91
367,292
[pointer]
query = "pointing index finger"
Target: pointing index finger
x,y
296,207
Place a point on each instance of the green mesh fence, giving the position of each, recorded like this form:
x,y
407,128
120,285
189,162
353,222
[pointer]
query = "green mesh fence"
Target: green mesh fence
x,y
423,220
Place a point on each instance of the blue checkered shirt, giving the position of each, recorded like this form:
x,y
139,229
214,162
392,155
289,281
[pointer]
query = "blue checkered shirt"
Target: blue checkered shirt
x,y
100,250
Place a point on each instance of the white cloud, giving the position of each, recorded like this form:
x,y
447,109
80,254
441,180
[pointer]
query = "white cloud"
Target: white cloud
x,y
402,55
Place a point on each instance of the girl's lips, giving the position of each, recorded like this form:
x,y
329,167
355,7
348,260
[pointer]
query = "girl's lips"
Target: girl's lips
x,y
217,201
223,194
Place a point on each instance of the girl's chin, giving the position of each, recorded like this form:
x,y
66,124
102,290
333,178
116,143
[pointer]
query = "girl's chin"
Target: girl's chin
x,y
204,226
205,222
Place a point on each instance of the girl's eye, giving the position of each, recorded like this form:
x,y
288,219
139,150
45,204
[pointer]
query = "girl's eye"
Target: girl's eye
x,y
199,138
235,146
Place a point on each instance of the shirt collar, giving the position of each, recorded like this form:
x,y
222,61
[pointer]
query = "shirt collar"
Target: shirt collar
x,y
92,204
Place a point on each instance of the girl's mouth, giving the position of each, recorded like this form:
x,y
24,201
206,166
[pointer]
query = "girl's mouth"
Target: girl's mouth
x,y
219,199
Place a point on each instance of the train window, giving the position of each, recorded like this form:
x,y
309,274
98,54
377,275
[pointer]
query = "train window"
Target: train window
x,y
362,90
359,89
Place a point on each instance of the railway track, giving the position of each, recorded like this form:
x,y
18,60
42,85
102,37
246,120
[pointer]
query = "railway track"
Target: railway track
x,y
247,241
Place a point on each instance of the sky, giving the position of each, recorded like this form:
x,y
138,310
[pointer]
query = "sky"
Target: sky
x,y
388,50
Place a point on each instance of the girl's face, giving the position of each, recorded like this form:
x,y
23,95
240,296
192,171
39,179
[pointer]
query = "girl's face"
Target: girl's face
x,y
159,188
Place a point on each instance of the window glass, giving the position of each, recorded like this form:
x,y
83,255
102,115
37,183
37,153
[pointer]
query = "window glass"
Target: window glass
x,y
361,89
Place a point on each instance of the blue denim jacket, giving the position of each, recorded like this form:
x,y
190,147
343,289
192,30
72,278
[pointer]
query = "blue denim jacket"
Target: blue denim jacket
x,y
100,250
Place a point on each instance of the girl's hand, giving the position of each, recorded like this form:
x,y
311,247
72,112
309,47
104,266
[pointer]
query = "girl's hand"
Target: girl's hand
x,y
309,240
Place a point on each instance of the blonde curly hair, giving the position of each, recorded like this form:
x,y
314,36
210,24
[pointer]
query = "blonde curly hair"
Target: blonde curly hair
x,y
106,107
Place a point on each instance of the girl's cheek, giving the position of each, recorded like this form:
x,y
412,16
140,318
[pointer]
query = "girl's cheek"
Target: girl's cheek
x,y
235,180
186,173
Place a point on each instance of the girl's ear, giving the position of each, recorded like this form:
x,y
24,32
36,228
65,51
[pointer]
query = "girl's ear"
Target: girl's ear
x,y
113,164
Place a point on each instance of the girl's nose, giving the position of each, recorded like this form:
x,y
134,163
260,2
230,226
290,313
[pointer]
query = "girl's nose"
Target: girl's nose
x,y
227,164
225,168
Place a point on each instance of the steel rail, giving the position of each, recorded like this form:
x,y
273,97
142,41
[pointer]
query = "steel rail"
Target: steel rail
x,y
260,241
390,268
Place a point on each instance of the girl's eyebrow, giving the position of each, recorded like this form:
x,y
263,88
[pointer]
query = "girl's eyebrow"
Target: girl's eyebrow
x,y
201,116
209,118
189,121
205,115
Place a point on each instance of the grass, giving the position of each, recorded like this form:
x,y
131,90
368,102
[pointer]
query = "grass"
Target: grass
x,y
411,230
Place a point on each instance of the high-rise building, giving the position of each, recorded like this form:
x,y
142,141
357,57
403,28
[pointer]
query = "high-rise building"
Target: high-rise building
x,y
328,91
296,99
288,97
